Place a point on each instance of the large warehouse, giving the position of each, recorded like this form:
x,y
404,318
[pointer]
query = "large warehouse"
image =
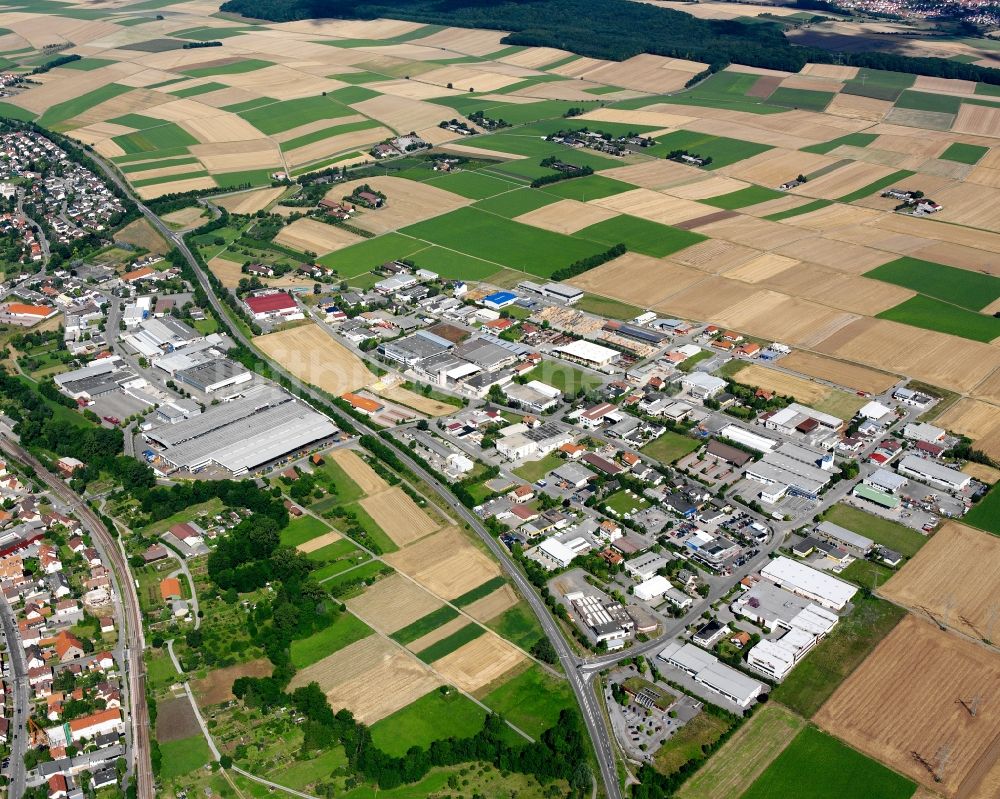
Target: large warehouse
x,y
257,428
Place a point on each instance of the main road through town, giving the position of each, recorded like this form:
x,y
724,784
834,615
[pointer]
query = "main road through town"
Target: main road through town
x,y
135,669
586,696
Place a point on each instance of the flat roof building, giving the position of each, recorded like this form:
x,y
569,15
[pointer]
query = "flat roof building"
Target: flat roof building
x,y
707,670
562,292
213,375
933,473
588,352
841,535
815,585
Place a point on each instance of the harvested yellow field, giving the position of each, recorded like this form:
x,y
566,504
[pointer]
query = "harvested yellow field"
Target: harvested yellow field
x,y
982,472
186,217
989,389
365,476
465,79
372,678
952,234
250,202
658,174
311,354
843,181
141,233
976,419
774,167
654,206
776,316
764,266
336,144
859,295
841,255
318,542
466,41
752,232
703,300
715,255
713,186
492,605
834,217
566,216
446,563
971,204
980,120
805,391
401,113
854,106
479,662
407,202
660,119
646,73
311,235
812,83
418,402
234,156
775,206
834,71
637,279
399,516
858,378
442,632
393,603
176,187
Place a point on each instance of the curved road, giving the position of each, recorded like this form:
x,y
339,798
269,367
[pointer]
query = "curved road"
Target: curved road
x,y
135,668
586,697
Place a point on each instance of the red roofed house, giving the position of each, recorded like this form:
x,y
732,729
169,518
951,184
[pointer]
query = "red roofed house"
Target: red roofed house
x,y
68,647
279,303
364,405
25,315
95,724
170,588
58,787
138,274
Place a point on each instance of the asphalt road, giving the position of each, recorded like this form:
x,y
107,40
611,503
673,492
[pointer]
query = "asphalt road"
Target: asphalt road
x,y
135,668
19,682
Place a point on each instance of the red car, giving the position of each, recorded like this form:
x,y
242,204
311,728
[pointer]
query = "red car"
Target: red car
x,y
113,420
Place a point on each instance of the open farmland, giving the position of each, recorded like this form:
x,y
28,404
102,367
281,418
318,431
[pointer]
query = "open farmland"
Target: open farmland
x,y
360,472
399,516
393,603
446,563
844,374
808,392
954,578
312,355
479,662
931,676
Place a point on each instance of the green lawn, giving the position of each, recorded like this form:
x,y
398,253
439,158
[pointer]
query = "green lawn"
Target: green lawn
x,y
366,255
480,591
338,550
741,198
818,766
867,574
800,98
425,624
926,101
815,205
587,188
932,314
503,241
985,514
850,140
302,529
972,290
344,631
686,744
451,643
536,470
300,774
640,235
160,671
964,153
431,718
817,676
183,756
520,201
531,701
605,306
688,364
875,186
623,503
235,68
723,151
474,185
671,447
517,624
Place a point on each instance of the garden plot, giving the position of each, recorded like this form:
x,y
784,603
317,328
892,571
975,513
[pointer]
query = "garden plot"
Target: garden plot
x,y
392,603
566,216
311,354
445,562
250,202
638,279
360,472
372,678
479,662
399,516
311,235
932,676
407,202
216,687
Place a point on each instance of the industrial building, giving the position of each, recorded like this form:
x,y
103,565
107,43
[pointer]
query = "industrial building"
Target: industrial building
x,y
588,353
245,433
213,375
520,442
273,305
652,589
844,537
607,621
702,385
411,350
645,566
746,438
533,396
158,336
707,670
809,583
933,473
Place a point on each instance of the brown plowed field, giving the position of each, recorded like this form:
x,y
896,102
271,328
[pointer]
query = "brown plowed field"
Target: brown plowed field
x,y
907,698
217,686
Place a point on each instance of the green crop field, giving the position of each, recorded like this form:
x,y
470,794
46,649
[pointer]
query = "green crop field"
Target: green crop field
x,y
741,198
325,133
904,540
590,187
337,550
366,255
932,314
60,112
479,592
523,113
925,101
818,766
453,265
282,116
875,186
640,235
364,572
87,64
800,98
183,756
723,151
199,173
15,112
239,180
453,642
353,94
531,701
345,630
964,153
304,528
517,624
145,166
503,241
357,78
517,202
431,718
164,136
850,140
670,447
815,205
193,91
867,574
605,306
425,624
879,84
722,90
972,290
474,185
235,68
817,676
985,514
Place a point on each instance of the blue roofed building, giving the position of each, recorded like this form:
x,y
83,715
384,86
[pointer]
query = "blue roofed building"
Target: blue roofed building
x,y
499,299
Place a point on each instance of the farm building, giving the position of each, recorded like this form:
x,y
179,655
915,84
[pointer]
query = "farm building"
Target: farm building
x,y
934,474
812,584
707,670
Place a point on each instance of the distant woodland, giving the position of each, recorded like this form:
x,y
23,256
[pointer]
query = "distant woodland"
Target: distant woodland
x,y
612,29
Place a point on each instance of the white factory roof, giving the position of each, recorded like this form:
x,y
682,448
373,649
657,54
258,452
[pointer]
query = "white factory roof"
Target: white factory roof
x,y
798,577
588,351
842,534
890,481
921,431
657,585
743,436
874,410
557,550
704,381
933,470
709,671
